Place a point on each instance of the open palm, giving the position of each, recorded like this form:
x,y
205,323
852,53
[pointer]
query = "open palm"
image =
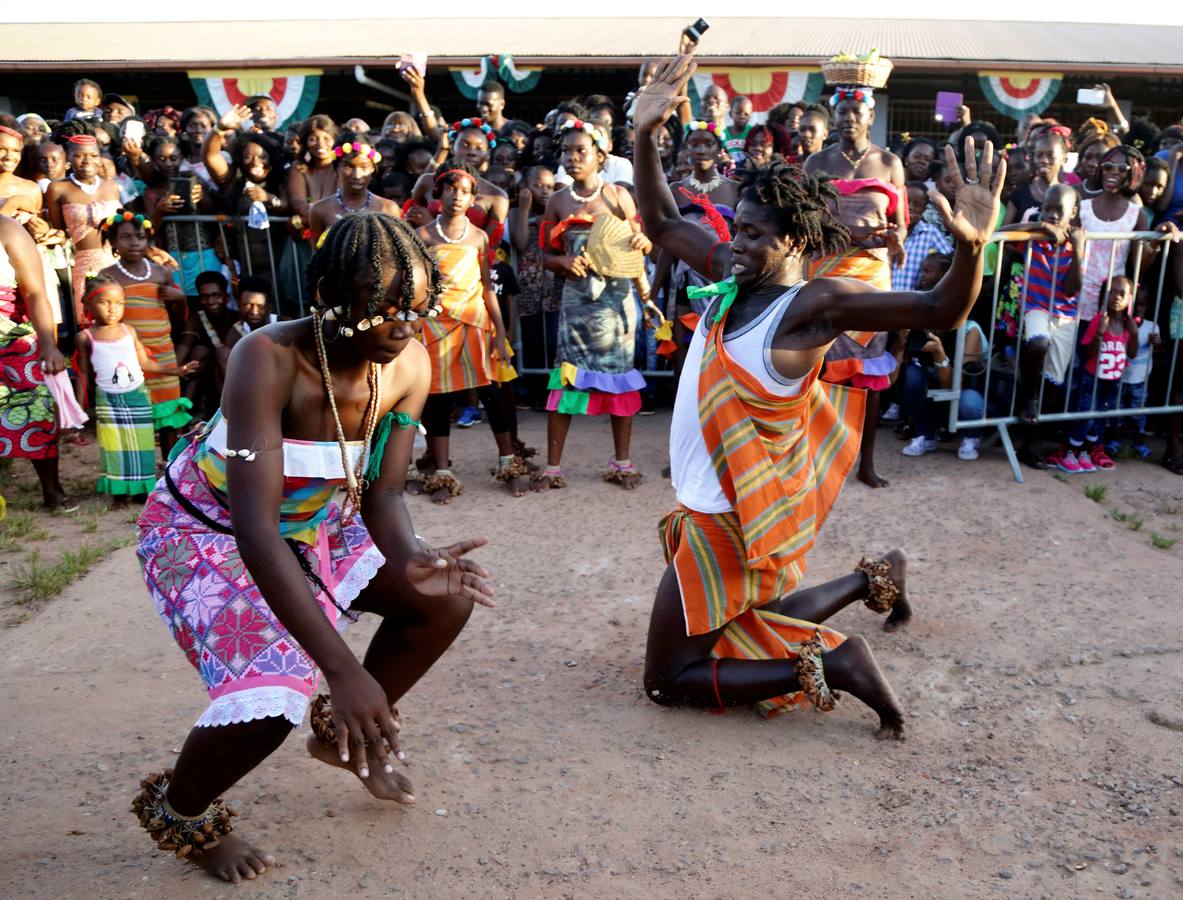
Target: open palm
x,y
442,572
657,100
976,201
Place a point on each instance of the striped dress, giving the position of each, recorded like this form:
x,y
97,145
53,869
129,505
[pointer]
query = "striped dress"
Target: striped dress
x,y
781,463
458,339
144,311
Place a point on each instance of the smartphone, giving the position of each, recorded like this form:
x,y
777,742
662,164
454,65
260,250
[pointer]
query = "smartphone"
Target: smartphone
x,y
947,103
182,186
133,127
417,61
1090,97
697,30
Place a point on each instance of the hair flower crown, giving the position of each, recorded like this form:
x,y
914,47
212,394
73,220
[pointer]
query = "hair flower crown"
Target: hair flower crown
x,y
485,127
589,129
357,148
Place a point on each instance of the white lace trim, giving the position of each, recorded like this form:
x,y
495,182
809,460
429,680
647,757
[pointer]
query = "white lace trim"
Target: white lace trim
x,y
255,703
360,574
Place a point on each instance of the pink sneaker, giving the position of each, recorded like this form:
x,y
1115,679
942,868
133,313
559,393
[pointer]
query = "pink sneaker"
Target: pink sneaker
x,y
1101,459
1084,461
1064,460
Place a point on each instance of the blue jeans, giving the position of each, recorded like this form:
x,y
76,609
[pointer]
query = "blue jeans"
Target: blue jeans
x,y
914,384
1108,395
1132,397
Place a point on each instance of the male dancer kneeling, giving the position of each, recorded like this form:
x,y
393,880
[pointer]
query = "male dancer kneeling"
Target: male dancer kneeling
x,y
760,448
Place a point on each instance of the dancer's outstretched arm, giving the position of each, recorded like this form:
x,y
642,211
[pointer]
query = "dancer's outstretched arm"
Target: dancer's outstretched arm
x,y
688,241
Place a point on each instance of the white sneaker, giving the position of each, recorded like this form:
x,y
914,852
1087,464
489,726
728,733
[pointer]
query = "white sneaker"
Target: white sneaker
x,y
920,445
969,448
892,415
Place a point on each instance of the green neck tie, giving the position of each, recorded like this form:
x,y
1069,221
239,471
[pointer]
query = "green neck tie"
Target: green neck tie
x,y
727,290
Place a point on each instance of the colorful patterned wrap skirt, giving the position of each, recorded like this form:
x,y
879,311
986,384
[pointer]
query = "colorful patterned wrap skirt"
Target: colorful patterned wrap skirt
x,y
28,426
251,667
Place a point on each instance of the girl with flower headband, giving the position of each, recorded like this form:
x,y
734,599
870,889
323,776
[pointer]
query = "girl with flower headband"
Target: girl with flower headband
x,y
355,162
112,354
873,205
244,537
78,205
458,339
149,290
471,141
594,372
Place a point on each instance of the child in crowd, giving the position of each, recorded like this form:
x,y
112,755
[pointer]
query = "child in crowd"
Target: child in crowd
x,y
924,238
254,308
1154,182
87,96
459,334
1052,279
148,291
1110,340
736,133
116,357
1048,153
1137,376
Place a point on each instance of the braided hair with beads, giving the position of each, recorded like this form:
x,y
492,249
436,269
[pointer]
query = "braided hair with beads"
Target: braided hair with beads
x,y
802,205
372,240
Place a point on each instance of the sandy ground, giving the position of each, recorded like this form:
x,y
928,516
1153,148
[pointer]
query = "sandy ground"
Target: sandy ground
x,y
1040,679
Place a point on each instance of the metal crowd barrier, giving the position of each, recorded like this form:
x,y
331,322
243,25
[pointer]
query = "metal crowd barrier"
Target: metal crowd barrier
x,y
238,250
1003,421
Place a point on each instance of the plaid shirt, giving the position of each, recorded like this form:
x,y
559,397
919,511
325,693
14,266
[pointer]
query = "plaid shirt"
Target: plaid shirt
x,y
925,238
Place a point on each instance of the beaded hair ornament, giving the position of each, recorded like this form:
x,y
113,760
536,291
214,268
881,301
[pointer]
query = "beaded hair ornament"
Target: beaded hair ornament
x,y
854,92
118,218
357,148
485,127
692,127
336,313
601,140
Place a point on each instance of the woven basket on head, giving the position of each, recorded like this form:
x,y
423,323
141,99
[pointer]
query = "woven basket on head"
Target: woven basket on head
x,y
868,74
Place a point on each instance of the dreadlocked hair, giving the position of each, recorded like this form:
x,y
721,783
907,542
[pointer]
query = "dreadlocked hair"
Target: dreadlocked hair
x,y
802,205
375,240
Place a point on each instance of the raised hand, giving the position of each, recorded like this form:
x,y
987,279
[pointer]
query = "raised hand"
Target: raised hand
x,y
975,213
234,117
443,573
658,100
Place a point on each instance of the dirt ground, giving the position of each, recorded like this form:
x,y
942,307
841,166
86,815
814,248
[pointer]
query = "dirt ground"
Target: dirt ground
x,y
1040,678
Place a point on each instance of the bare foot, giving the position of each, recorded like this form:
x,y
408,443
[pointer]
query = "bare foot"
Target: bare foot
x,y
851,667
868,476
234,859
901,610
382,784
517,487
441,497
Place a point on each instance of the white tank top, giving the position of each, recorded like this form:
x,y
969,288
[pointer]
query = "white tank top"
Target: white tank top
x,y
116,368
695,482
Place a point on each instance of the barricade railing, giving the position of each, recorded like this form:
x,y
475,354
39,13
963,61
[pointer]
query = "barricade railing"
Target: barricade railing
x,y
1002,418
240,251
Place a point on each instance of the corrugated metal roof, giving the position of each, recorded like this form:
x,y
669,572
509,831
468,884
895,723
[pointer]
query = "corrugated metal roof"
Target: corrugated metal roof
x,y
912,43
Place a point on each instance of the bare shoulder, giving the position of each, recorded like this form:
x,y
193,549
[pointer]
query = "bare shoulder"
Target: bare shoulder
x,y
411,370
389,207
488,189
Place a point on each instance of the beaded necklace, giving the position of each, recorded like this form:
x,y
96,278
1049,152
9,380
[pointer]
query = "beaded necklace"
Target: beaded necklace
x,y
353,477
147,271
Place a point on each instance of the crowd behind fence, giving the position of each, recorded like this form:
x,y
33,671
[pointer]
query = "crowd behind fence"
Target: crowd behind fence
x,y
998,380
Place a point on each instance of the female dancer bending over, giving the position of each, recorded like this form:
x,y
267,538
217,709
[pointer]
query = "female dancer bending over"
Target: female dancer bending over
x,y
760,448
253,566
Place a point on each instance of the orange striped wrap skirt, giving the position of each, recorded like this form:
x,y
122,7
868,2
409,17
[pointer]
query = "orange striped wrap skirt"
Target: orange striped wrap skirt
x,y
719,590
